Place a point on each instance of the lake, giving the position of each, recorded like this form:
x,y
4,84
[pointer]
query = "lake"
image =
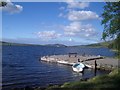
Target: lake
x,y
21,65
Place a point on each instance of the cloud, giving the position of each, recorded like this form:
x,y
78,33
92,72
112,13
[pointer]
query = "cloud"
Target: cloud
x,y
73,12
76,29
61,15
79,5
47,35
81,15
12,8
61,8
76,4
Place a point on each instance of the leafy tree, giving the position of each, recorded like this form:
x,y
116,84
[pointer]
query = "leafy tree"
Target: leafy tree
x,y
111,22
3,4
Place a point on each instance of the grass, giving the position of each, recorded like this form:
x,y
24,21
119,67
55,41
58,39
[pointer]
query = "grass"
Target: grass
x,y
97,83
117,54
101,44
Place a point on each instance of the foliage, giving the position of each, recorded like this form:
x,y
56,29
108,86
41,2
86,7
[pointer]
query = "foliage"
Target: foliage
x,y
101,44
97,83
111,21
3,4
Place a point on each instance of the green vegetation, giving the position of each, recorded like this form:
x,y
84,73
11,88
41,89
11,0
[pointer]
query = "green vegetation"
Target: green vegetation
x,y
108,81
97,83
13,44
102,44
19,44
111,21
3,4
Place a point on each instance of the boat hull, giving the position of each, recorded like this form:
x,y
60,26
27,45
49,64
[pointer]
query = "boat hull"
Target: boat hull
x,y
78,67
77,70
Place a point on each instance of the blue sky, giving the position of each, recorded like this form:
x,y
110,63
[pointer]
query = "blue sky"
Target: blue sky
x,y
50,22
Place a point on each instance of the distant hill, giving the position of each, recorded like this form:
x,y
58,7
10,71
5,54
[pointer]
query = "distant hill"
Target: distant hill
x,y
56,45
19,44
15,44
101,44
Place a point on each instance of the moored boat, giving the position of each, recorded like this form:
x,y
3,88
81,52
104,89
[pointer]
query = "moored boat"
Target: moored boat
x,y
62,62
78,67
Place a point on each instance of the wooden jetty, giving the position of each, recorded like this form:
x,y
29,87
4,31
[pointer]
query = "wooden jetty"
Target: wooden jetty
x,y
90,61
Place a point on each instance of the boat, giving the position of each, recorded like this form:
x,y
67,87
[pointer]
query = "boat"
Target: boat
x,y
88,66
62,62
78,67
43,58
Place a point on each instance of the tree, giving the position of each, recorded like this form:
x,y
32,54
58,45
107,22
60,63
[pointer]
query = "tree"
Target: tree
x,y
3,4
111,22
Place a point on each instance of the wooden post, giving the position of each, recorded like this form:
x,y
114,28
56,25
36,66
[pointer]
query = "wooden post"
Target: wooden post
x,y
95,68
79,60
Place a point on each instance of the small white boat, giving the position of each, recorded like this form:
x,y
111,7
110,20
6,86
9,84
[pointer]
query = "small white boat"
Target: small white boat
x,y
43,58
62,62
78,67
88,66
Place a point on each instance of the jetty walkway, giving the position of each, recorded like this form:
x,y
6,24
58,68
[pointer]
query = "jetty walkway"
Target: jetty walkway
x,y
89,60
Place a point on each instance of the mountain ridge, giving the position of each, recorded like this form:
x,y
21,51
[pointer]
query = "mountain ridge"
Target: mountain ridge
x,y
101,44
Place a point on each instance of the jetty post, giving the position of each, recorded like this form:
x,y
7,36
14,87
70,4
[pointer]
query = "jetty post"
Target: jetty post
x,y
95,68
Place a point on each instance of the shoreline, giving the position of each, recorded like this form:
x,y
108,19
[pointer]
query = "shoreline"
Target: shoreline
x,y
68,85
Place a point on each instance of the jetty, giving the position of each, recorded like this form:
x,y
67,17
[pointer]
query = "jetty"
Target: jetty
x,y
90,61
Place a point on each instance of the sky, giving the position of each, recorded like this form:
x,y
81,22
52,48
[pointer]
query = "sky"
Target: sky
x,y
69,23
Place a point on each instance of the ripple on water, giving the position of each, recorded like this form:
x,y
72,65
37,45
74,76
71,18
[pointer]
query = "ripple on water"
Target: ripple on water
x,y
21,66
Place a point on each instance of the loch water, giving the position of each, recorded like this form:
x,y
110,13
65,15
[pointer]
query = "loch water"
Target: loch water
x,y
21,65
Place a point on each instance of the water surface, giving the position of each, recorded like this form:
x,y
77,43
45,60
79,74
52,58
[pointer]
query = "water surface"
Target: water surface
x,y
22,67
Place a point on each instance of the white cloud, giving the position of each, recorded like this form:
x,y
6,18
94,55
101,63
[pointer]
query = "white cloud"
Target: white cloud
x,y
61,15
81,15
61,8
12,8
73,27
47,35
72,5
79,5
77,29
69,1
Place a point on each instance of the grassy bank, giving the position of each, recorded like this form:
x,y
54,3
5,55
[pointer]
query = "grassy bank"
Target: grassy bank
x,y
97,83
117,53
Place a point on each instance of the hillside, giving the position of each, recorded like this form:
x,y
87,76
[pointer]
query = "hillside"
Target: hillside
x,y
19,44
102,44
10,44
56,45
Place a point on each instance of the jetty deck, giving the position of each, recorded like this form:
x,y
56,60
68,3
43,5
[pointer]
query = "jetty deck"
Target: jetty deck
x,y
88,60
